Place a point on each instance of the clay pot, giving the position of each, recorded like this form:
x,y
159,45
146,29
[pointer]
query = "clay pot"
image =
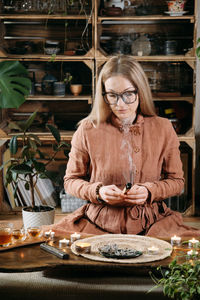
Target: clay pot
x,y
76,89
112,11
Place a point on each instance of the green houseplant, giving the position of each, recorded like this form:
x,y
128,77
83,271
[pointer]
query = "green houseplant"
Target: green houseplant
x,y
180,280
14,84
28,163
25,165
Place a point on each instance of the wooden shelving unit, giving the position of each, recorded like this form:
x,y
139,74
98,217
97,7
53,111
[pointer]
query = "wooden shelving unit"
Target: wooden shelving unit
x,y
112,27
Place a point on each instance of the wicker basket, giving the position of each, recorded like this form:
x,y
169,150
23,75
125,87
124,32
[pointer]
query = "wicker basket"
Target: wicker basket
x,y
70,203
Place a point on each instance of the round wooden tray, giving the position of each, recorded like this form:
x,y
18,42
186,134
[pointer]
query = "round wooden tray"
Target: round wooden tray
x,y
137,242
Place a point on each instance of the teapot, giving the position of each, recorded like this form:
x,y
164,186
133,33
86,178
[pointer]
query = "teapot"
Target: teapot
x,y
117,3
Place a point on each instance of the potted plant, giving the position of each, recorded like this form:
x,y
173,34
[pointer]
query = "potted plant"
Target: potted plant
x,y
28,164
181,279
14,84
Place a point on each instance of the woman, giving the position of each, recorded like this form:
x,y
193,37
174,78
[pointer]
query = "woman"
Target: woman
x,y
121,141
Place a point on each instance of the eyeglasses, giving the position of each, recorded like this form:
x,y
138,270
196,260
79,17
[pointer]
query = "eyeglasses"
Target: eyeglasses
x,y
112,98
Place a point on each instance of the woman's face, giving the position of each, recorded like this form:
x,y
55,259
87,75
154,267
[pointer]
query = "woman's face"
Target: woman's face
x,y
119,85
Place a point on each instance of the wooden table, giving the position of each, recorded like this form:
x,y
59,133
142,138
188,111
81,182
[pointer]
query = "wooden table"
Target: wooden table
x,y
33,258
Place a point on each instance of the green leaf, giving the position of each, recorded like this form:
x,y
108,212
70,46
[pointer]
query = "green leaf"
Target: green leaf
x,y
15,126
41,154
36,138
22,169
14,84
40,167
198,52
54,132
30,120
13,145
32,143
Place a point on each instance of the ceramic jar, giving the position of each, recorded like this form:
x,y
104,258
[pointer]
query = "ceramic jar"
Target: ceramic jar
x,y
117,3
176,5
59,88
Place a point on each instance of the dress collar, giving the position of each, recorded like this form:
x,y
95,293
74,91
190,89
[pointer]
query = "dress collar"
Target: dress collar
x,y
136,125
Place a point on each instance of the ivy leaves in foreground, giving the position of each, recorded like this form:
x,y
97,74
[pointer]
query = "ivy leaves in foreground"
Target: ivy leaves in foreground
x,y
180,281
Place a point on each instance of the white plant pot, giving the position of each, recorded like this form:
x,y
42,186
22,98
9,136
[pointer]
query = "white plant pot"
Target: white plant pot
x,y
39,218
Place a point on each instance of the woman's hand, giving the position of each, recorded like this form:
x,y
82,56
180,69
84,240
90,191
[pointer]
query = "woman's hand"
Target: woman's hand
x,y
112,195
137,195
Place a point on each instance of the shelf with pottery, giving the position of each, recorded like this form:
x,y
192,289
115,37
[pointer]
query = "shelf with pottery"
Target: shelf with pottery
x,y
87,98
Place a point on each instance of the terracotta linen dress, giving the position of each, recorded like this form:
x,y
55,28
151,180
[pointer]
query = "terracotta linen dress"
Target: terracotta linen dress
x,y
108,154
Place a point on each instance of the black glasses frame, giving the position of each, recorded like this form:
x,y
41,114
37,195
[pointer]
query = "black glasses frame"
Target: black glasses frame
x,y
121,95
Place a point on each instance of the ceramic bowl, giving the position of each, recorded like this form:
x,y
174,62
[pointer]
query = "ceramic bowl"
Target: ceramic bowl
x,y
51,50
76,89
176,6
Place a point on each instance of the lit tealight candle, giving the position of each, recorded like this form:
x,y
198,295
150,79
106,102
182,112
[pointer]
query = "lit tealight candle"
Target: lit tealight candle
x,y
75,236
52,235
193,243
175,240
192,253
83,247
47,234
63,243
140,53
153,250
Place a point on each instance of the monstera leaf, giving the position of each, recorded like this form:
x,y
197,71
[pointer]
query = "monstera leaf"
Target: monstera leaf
x,y
14,84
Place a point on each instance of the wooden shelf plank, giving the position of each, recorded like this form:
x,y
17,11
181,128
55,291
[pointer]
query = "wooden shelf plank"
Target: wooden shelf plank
x,y
44,16
56,98
43,57
152,58
145,18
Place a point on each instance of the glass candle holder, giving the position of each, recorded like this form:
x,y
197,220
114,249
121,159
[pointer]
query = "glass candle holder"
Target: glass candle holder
x,y
34,232
19,235
175,240
6,230
75,236
193,243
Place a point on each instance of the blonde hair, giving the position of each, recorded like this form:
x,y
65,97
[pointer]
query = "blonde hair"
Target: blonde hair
x,y
128,67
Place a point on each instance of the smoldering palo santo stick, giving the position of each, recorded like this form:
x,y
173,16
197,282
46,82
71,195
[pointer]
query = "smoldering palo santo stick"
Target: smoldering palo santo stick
x,y
127,188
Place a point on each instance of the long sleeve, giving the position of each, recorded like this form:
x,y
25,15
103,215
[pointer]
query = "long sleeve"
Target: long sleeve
x,y
172,181
76,180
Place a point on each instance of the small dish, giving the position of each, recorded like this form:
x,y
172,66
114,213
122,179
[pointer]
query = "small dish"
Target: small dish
x,y
51,50
69,52
175,13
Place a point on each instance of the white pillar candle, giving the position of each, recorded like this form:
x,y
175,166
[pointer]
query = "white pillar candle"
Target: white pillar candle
x,y
193,243
192,253
153,250
175,240
75,236
63,243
